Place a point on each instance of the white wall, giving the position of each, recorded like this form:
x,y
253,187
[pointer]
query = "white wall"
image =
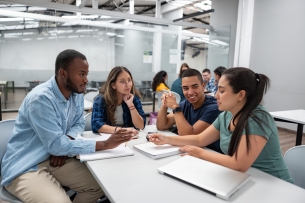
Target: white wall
x,y
278,47
198,63
32,57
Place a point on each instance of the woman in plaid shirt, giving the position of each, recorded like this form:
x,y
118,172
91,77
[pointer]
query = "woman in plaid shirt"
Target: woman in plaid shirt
x,y
118,104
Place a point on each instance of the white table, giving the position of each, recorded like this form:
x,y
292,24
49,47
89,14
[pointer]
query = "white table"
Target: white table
x,y
292,116
134,179
87,105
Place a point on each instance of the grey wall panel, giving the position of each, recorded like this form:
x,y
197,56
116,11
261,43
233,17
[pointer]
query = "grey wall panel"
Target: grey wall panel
x,y
278,49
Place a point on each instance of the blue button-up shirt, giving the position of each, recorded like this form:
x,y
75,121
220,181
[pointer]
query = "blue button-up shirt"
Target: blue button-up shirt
x,y
210,86
99,114
44,120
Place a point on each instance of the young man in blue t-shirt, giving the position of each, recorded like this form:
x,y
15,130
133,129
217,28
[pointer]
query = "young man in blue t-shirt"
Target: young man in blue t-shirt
x,y
193,115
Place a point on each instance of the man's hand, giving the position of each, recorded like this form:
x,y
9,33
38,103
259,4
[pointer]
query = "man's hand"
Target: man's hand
x,y
133,130
117,138
163,98
170,100
57,160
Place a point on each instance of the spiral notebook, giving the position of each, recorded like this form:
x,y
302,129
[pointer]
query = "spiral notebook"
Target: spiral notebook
x,y
119,151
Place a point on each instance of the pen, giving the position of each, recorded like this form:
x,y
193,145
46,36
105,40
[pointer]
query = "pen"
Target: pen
x,y
145,134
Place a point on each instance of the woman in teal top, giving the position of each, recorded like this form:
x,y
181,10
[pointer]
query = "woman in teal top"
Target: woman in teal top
x,y
248,135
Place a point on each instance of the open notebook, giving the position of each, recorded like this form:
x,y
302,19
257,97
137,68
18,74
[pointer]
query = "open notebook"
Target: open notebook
x,y
157,151
213,178
119,151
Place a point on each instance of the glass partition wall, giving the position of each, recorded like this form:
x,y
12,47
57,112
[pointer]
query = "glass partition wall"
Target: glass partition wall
x,y
28,49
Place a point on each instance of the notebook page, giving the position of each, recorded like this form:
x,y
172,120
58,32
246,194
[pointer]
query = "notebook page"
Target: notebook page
x,y
119,151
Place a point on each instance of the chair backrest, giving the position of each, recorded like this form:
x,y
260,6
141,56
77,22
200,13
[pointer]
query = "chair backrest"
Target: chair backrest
x,y
6,133
159,95
294,159
6,127
90,96
88,122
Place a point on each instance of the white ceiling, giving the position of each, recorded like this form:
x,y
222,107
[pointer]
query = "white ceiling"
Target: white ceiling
x,y
141,7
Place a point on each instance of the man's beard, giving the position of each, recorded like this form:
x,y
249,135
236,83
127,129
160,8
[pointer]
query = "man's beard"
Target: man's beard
x,y
70,86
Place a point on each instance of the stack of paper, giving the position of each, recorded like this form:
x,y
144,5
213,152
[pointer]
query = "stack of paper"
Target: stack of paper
x,y
119,151
157,151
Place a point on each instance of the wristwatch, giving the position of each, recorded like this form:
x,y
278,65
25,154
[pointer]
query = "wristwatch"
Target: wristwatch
x,y
177,109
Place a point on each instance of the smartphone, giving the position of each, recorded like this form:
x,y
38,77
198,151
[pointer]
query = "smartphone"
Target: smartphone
x,y
148,133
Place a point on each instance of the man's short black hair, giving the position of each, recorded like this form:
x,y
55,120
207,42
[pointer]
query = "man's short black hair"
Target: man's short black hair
x,y
218,71
206,70
64,59
192,72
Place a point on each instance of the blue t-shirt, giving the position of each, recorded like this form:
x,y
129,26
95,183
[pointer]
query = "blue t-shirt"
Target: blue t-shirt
x,y
176,87
208,112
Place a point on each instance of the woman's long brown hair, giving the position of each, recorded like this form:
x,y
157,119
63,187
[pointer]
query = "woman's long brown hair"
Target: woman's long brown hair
x,y
109,93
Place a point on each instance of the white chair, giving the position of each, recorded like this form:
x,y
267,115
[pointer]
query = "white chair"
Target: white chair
x,y
90,96
6,133
88,122
159,95
294,159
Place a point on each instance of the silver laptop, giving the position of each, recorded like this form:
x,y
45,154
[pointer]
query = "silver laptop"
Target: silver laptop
x,y
212,178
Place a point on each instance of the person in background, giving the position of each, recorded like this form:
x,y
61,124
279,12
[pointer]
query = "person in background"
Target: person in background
x,y
40,156
210,82
217,74
176,86
193,115
158,83
247,132
118,104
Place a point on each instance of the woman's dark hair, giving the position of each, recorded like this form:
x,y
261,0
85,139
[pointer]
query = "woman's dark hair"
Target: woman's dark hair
x,y
158,79
109,93
181,71
255,85
218,71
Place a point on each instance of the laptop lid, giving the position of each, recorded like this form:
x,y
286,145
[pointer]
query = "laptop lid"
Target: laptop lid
x,y
212,178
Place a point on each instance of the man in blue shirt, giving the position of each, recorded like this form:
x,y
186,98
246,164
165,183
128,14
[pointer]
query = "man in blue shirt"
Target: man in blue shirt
x,y
39,156
193,115
210,81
